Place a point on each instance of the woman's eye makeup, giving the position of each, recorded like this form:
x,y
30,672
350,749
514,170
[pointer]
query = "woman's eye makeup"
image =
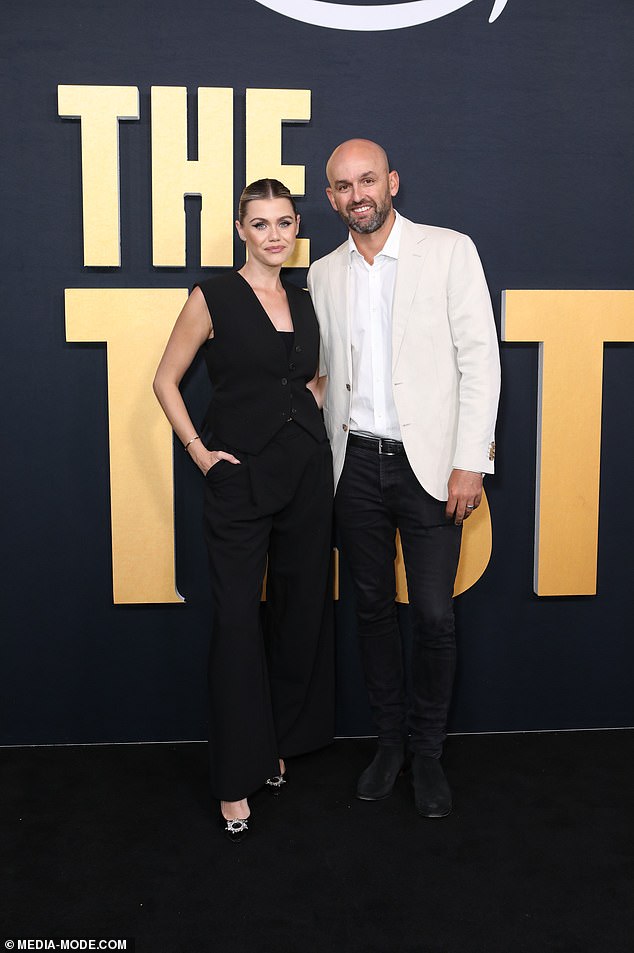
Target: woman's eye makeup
x,y
285,223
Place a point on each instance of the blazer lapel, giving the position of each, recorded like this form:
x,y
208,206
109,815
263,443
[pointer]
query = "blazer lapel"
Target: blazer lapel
x,y
411,254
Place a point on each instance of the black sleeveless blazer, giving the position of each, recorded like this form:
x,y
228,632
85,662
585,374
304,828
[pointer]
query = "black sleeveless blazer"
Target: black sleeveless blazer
x,y
257,388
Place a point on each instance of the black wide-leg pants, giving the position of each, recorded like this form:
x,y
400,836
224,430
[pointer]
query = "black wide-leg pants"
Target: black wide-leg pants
x,y
271,685
377,494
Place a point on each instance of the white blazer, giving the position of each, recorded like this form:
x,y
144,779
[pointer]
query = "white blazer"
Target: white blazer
x,y
445,360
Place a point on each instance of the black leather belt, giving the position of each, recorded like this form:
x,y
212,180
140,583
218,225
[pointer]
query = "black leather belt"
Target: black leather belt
x,y
380,445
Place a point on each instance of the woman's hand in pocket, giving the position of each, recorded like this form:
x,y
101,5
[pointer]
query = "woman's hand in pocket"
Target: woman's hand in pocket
x,y
206,459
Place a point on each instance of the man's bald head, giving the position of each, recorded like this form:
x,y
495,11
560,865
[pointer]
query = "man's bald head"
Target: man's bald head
x,y
354,149
361,186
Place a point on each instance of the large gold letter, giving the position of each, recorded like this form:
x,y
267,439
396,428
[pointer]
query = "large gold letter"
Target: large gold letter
x,y
571,327
267,109
100,108
135,324
174,177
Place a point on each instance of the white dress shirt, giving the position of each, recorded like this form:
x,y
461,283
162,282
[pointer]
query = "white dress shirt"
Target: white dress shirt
x,y
373,410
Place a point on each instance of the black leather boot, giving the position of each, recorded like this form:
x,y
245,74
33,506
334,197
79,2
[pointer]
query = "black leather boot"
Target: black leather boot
x,y
431,791
378,779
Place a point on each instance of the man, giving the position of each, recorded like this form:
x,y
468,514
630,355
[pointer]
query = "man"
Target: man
x,y
411,354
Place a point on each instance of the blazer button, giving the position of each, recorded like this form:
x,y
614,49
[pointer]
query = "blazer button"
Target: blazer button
x,y
291,366
284,380
298,349
345,427
347,386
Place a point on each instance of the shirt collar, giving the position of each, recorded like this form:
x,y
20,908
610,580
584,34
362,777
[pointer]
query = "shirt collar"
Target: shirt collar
x,y
391,247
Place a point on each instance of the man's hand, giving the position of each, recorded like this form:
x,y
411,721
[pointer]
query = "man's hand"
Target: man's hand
x,y
465,494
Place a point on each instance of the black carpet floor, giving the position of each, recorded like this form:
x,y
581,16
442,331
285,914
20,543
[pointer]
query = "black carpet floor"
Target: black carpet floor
x,y
537,857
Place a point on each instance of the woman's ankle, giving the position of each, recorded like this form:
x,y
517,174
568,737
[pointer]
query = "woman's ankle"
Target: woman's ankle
x,y
235,810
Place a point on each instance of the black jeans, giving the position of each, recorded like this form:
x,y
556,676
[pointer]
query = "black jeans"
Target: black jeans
x,y
376,495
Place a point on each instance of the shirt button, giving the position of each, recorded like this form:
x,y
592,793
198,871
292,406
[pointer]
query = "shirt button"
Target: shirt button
x,y
298,349
291,367
284,380
347,386
293,411
345,427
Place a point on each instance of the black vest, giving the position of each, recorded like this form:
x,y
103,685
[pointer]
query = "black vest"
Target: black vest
x,y
257,388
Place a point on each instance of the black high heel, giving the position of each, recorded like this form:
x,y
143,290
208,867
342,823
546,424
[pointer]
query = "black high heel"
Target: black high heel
x,y
235,830
275,784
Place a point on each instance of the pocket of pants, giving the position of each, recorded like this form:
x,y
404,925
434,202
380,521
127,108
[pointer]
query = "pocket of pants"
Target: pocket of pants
x,y
221,471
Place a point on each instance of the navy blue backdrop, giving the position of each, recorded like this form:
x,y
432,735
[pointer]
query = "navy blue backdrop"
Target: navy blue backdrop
x,y
518,132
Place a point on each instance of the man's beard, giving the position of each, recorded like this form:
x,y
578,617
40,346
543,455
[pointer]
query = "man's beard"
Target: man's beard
x,y
371,224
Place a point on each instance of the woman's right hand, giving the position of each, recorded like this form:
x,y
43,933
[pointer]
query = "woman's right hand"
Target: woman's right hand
x,y
206,459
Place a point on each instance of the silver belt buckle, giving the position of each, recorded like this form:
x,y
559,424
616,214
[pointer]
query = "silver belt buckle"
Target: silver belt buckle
x,y
384,453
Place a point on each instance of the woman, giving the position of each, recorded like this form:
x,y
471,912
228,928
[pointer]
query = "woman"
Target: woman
x,y
268,473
